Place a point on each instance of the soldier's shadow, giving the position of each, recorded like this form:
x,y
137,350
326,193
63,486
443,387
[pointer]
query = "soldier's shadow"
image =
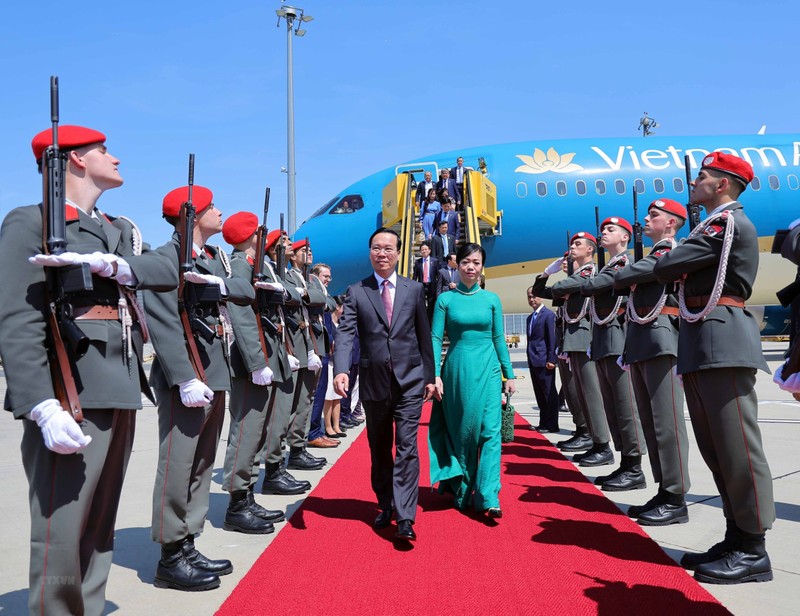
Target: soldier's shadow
x,y
135,549
16,602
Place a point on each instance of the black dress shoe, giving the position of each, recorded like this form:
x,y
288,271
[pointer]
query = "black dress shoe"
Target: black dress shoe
x,y
631,476
278,481
736,566
579,442
331,434
175,571
692,560
599,455
405,531
664,515
270,515
303,461
240,518
544,430
384,518
494,512
218,567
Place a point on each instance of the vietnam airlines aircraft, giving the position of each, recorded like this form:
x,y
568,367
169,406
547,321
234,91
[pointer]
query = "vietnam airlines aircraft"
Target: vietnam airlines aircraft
x,y
546,188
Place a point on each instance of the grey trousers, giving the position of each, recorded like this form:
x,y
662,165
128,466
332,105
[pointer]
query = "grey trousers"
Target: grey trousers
x,y
188,440
276,426
620,405
585,375
570,386
249,411
300,418
73,504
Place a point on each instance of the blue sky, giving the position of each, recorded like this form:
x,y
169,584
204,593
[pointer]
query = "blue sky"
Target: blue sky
x,y
376,83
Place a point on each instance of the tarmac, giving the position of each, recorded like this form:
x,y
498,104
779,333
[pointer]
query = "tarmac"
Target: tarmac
x,y
130,589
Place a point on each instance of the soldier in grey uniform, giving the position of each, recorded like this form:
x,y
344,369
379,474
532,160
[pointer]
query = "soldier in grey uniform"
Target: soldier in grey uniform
x,y
651,350
608,343
719,351
75,471
252,398
577,338
191,406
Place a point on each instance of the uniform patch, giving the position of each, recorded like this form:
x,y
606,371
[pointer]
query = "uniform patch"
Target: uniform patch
x,y
586,274
661,251
713,230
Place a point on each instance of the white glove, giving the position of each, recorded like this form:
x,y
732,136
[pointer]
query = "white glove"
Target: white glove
x,y
195,393
198,278
554,267
294,363
262,377
622,364
790,384
60,431
99,263
565,357
270,286
314,362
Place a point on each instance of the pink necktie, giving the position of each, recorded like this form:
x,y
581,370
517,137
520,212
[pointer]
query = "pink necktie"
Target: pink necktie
x,y
425,270
387,301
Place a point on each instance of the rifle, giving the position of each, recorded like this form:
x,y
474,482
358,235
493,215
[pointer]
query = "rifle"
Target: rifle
x,y
638,245
692,208
570,260
305,261
280,255
601,252
258,274
61,280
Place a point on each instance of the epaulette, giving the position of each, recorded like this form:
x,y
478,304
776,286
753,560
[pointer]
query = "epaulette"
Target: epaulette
x,y
658,252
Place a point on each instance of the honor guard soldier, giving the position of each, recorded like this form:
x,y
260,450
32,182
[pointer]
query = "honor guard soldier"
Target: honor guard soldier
x,y
577,339
608,343
190,398
651,352
719,351
252,373
75,470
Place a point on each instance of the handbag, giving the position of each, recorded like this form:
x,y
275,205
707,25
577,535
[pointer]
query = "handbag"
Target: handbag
x,y
507,424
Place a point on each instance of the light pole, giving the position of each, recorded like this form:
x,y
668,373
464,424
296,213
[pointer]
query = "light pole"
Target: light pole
x,y
291,15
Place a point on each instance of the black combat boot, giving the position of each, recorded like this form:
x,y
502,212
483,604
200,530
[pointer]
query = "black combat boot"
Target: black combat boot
x,y
671,510
301,460
603,478
219,567
599,455
745,561
278,481
270,515
240,518
175,571
692,560
631,477
634,511
580,442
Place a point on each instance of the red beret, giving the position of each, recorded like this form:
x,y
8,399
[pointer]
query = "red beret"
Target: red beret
x,y
729,164
69,138
620,222
671,207
272,238
300,244
239,227
583,235
202,197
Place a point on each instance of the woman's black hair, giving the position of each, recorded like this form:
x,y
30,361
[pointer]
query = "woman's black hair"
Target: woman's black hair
x,y
470,249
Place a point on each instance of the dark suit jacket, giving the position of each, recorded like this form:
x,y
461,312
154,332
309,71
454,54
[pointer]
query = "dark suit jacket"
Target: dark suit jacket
x,y
542,340
454,174
437,247
403,349
434,270
444,280
450,187
422,191
453,227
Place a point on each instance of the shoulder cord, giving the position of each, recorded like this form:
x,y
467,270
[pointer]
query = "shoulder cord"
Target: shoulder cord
x,y
656,311
611,315
719,283
129,298
586,302
224,315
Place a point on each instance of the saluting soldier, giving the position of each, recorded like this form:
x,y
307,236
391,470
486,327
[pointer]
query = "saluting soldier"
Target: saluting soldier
x,y
719,351
608,342
75,471
191,406
577,339
252,398
651,350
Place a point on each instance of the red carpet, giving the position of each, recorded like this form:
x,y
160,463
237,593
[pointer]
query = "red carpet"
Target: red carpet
x,y
560,548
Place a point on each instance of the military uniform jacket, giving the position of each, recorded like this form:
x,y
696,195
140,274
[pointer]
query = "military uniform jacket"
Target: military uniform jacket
x,y
296,310
728,336
659,337
172,365
246,353
609,339
577,336
316,312
102,375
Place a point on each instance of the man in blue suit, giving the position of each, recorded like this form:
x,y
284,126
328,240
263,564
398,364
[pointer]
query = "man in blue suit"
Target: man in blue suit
x,y
542,362
448,184
450,216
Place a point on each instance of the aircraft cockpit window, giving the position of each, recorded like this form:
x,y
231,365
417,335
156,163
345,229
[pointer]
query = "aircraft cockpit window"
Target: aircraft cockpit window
x,y
677,185
774,182
792,181
755,184
561,188
638,186
541,189
600,187
348,205
580,187
619,186
323,209
658,185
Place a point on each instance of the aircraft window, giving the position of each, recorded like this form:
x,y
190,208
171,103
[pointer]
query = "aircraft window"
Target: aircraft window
x,y
541,189
580,187
677,185
324,208
774,183
600,187
348,205
638,186
561,188
619,186
658,185
792,181
755,184
522,190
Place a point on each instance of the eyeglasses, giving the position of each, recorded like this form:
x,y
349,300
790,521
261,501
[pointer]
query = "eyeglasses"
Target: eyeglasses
x,y
376,250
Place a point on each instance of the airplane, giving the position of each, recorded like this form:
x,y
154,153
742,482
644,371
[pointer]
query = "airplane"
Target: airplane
x,y
546,188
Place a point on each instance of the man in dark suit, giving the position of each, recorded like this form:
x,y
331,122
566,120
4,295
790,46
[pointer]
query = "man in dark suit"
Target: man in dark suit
x,y
442,243
424,186
459,173
448,184
426,270
450,216
541,329
448,276
396,372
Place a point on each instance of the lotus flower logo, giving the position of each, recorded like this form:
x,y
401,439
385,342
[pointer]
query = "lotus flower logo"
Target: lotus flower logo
x,y
542,163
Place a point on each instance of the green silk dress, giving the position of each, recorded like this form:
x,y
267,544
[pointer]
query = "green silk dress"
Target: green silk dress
x,y
464,436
